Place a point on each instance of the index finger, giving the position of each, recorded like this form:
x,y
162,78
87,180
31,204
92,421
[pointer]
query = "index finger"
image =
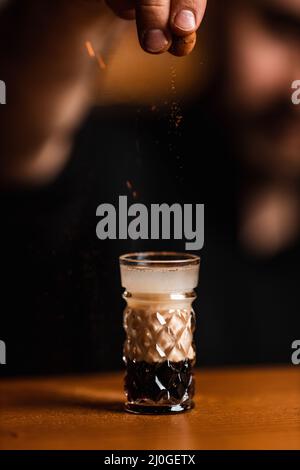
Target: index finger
x,y
153,25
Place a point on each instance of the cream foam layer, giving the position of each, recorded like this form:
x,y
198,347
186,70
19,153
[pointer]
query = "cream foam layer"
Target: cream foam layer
x,y
157,336
140,279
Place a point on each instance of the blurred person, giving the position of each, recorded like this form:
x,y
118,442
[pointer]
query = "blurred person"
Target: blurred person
x,y
249,175
262,60
243,163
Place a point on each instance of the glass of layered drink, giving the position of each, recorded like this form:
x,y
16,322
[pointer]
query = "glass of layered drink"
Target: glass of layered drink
x,y
159,322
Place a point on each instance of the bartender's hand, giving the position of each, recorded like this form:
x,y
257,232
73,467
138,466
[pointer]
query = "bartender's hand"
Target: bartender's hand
x,y
163,25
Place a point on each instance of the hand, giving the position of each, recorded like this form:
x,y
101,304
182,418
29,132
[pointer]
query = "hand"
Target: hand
x,y
163,25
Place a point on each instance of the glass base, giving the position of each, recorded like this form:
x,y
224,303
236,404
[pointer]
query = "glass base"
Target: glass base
x,y
138,408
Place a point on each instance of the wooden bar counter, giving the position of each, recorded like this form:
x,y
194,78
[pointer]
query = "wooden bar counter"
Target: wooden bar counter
x,y
236,408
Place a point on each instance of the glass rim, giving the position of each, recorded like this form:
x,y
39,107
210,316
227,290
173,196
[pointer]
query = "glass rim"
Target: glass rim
x,y
158,259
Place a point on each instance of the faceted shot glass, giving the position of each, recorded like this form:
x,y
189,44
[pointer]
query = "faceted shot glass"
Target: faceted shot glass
x,y
159,322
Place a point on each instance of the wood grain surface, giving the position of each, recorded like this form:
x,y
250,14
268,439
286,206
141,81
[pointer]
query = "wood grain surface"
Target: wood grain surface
x,y
249,408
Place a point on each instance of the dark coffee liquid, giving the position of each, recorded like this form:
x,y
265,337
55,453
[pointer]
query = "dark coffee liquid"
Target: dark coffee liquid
x,y
159,382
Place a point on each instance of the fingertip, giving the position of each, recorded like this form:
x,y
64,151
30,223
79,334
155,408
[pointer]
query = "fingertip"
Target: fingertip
x,y
155,41
182,46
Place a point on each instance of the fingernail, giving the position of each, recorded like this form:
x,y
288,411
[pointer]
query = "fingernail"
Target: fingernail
x,y
155,40
185,20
